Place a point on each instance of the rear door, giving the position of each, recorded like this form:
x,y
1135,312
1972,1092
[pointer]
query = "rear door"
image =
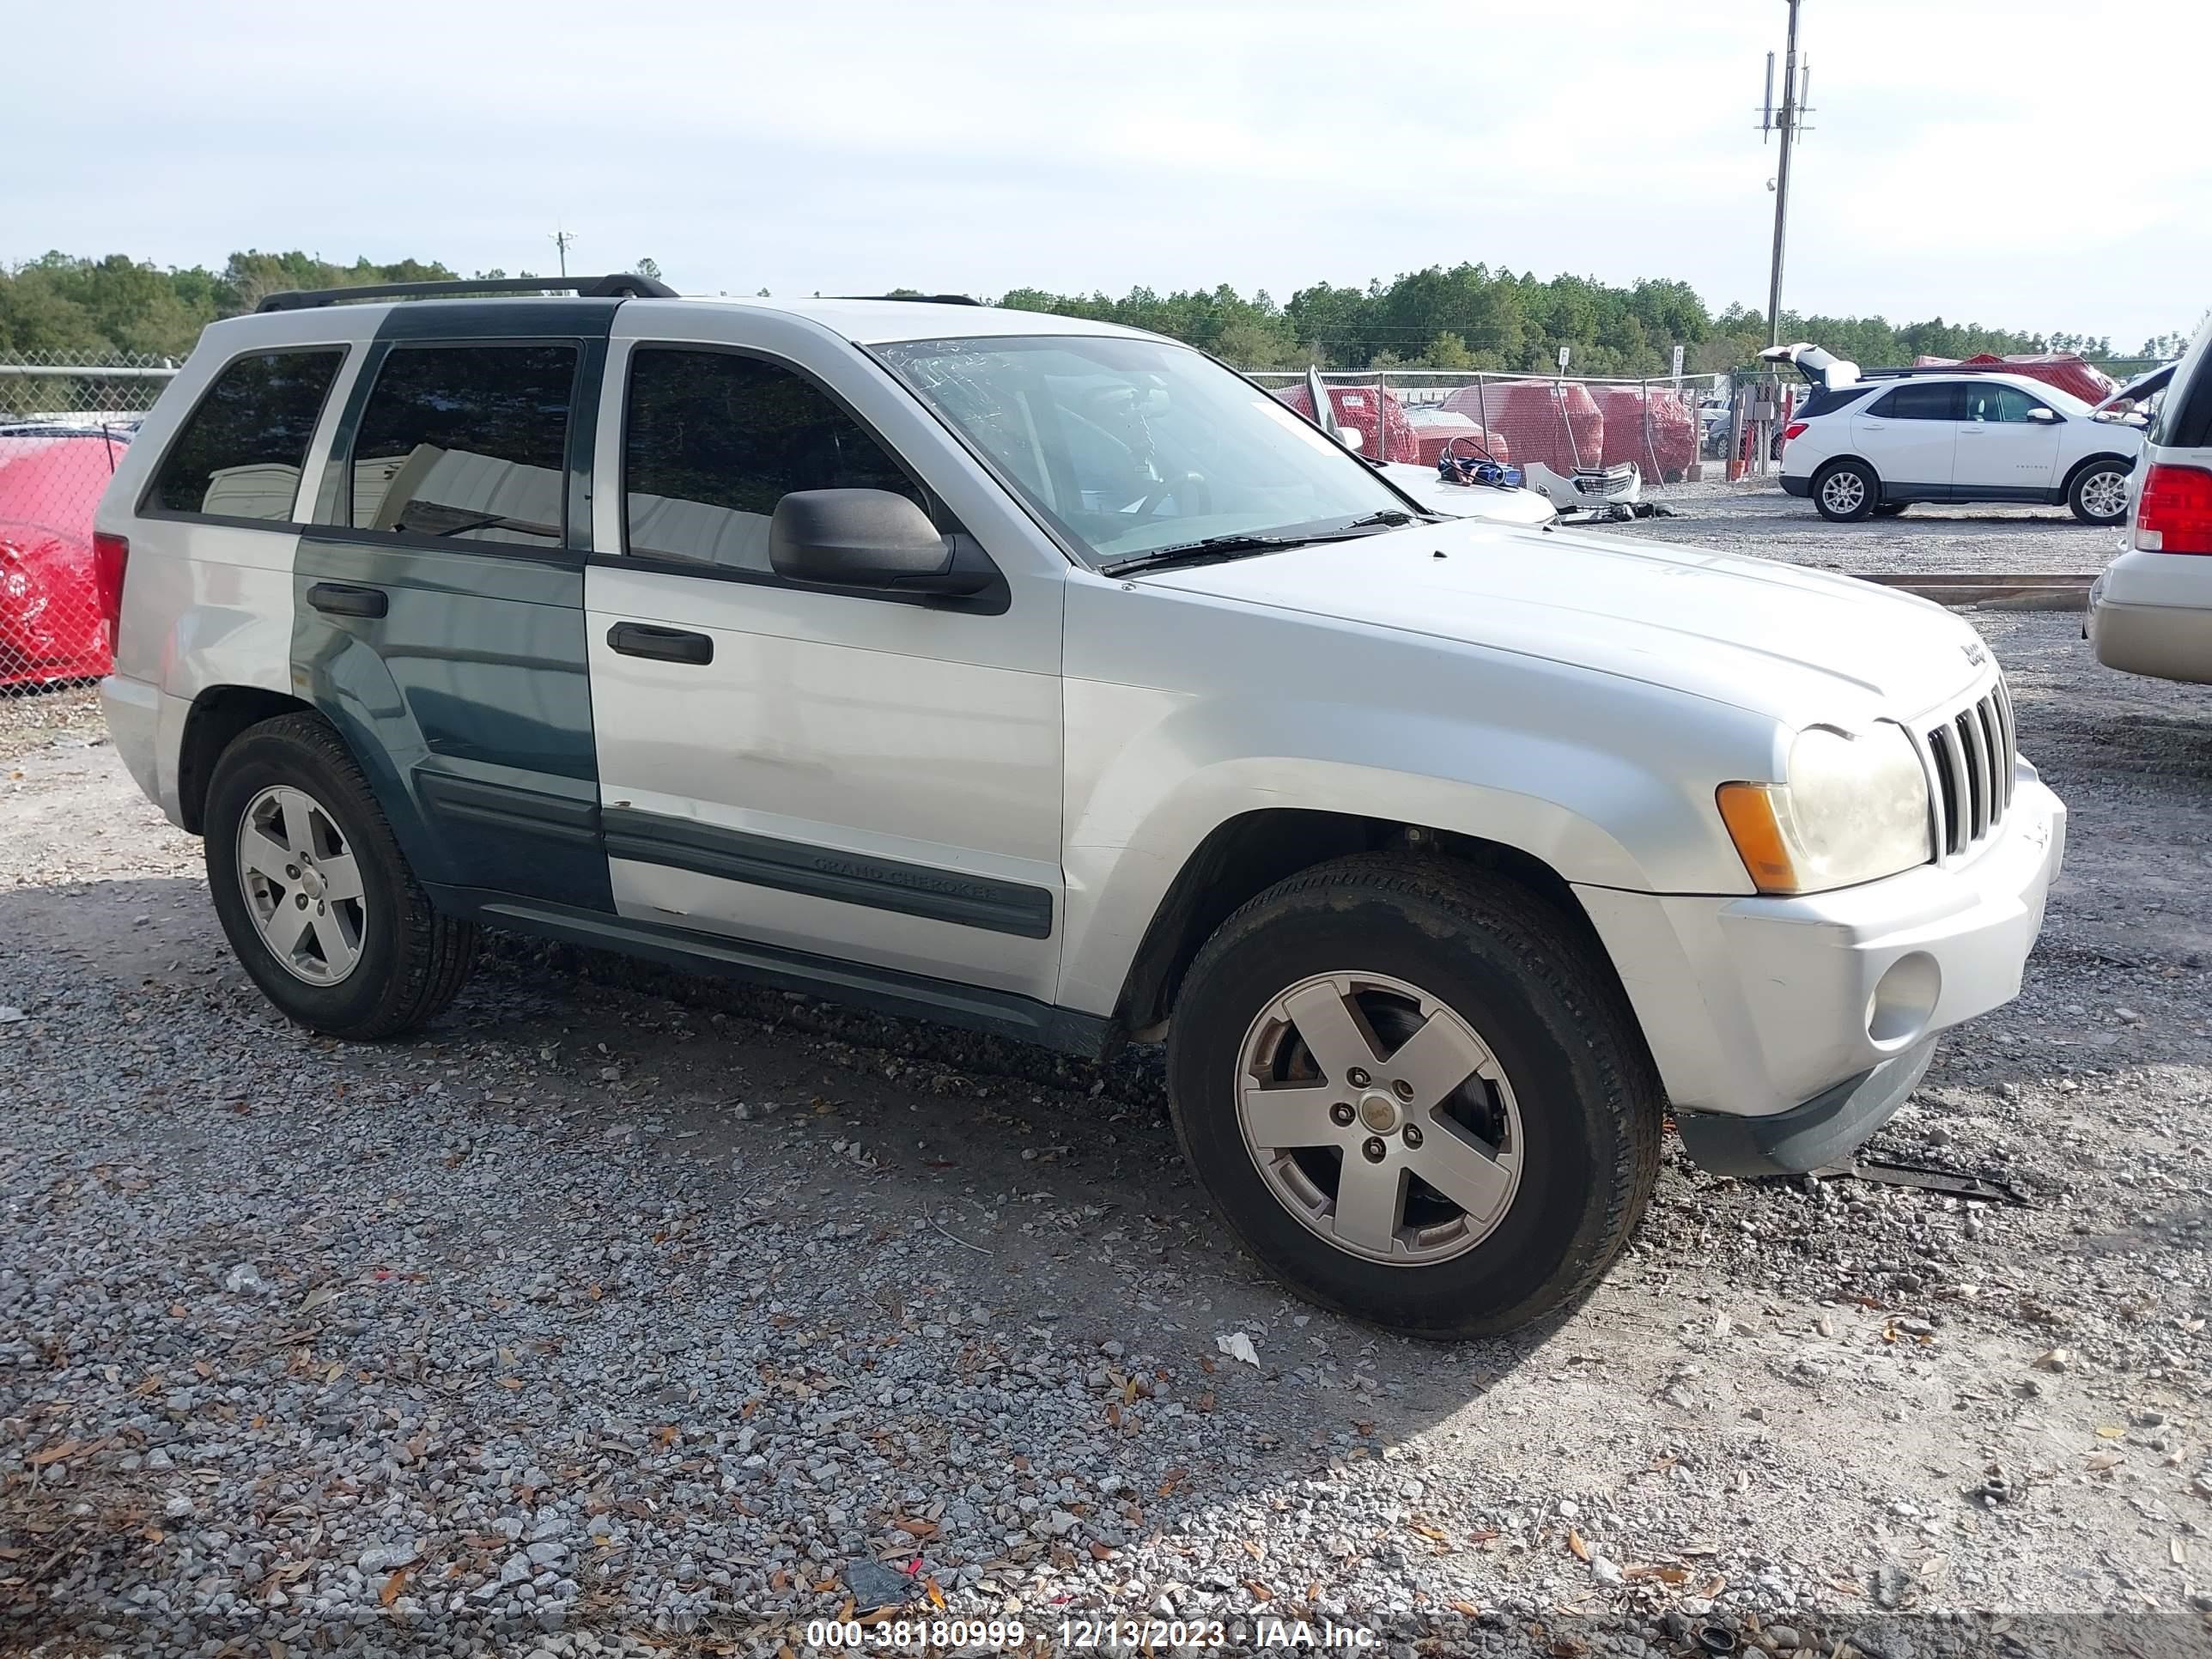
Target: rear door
x,y
2003,451
873,778
1910,434
439,596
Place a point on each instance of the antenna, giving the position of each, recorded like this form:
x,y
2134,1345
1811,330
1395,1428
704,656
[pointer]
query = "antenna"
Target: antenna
x,y
1787,121
562,238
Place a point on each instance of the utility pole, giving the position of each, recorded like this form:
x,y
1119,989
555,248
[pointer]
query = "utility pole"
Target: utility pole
x,y
1791,113
563,238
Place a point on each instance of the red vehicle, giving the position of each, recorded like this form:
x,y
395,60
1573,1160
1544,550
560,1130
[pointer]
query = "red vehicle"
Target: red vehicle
x,y
51,627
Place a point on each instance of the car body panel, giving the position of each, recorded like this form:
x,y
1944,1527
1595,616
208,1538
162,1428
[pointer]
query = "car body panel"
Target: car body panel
x,y
915,749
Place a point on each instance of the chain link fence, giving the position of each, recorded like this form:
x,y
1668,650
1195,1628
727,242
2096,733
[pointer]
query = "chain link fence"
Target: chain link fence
x,y
1670,427
64,425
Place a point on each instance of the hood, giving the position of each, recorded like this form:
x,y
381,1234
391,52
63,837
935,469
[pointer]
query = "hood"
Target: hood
x,y
1821,367
2142,386
1799,645
1492,504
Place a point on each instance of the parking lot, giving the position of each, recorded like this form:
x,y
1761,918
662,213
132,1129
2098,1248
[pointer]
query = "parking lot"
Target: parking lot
x,y
629,1308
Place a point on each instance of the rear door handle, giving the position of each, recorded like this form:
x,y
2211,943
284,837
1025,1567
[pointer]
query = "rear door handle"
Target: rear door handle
x,y
661,644
344,600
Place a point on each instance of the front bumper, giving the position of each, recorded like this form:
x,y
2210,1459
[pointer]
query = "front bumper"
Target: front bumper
x,y
1755,1007
1826,1130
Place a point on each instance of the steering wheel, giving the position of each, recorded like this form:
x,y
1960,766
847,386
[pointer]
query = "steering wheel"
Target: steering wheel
x,y
1191,490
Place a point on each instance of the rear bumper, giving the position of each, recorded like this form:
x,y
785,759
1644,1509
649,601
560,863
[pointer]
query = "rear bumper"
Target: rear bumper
x,y
1764,1007
2162,640
145,727
1799,486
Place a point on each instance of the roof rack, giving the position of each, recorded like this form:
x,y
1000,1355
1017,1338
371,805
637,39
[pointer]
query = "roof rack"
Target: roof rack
x,y
916,299
622,287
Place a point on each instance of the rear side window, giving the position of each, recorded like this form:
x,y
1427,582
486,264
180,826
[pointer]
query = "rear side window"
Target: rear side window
x,y
2184,418
1821,401
1939,402
239,452
467,443
713,441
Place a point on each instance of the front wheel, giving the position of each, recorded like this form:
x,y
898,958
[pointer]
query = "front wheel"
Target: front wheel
x,y
1417,1096
314,894
2099,494
1846,492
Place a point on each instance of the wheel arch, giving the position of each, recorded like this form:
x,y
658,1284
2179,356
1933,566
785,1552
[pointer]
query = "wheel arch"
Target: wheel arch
x,y
1246,854
2074,472
1850,459
219,715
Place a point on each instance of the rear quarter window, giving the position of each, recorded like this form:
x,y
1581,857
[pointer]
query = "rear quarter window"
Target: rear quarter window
x,y
239,452
2184,418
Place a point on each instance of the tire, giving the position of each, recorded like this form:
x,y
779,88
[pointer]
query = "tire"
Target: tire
x,y
1846,492
2097,494
371,959
1890,509
1576,1103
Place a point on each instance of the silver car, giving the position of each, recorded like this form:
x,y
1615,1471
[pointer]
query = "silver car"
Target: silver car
x,y
1046,678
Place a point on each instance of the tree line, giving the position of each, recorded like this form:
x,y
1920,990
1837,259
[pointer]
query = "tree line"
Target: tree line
x,y
1466,317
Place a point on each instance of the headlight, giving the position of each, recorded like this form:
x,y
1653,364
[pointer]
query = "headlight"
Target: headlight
x,y
1855,809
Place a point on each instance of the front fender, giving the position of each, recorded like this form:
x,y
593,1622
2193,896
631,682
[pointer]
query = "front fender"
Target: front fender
x,y
1606,788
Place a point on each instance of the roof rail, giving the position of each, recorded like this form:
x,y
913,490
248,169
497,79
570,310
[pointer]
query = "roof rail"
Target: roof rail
x,y
916,299
1938,368
622,287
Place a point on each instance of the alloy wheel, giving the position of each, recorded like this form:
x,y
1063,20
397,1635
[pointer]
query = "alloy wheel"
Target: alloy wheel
x,y
302,885
2105,494
1379,1118
1843,492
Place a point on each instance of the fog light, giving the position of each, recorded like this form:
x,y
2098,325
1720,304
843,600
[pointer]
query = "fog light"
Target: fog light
x,y
1903,1000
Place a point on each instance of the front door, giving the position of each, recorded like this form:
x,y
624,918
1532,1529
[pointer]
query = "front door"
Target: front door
x,y
1910,434
438,597
2004,449
870,778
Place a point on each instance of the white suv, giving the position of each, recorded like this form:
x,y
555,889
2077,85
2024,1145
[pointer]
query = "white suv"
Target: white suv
x,y
1047,678
2150,611
1874,444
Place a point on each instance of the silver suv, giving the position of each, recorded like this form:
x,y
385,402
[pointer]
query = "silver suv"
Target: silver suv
x,y
1049,679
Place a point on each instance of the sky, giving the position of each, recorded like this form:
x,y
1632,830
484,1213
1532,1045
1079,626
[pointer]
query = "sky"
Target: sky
x,y
1985,160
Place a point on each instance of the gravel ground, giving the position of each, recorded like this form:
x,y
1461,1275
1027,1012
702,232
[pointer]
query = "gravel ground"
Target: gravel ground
x,y
1754,518
628,1312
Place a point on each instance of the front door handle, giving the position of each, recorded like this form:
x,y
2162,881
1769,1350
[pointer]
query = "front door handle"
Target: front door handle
x,y
661,644
344,600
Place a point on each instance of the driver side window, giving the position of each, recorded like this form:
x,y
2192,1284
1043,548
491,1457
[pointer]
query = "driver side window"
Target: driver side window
x,y
712,440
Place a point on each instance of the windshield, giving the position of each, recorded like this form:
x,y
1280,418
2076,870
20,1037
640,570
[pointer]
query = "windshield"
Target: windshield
x,y
1129,447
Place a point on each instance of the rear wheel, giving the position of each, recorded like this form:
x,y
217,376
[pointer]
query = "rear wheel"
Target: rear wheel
x,y
314,894
1845,491
2099,494
1417,1096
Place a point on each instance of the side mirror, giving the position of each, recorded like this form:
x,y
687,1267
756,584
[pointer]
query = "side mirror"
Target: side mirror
x,y
867,539
2044,417
1352,437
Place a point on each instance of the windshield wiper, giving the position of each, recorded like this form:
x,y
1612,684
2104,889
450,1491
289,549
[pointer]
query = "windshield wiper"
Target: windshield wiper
x,y
1212,548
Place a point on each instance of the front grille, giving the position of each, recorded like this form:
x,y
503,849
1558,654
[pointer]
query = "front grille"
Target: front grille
x,y
1971,753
